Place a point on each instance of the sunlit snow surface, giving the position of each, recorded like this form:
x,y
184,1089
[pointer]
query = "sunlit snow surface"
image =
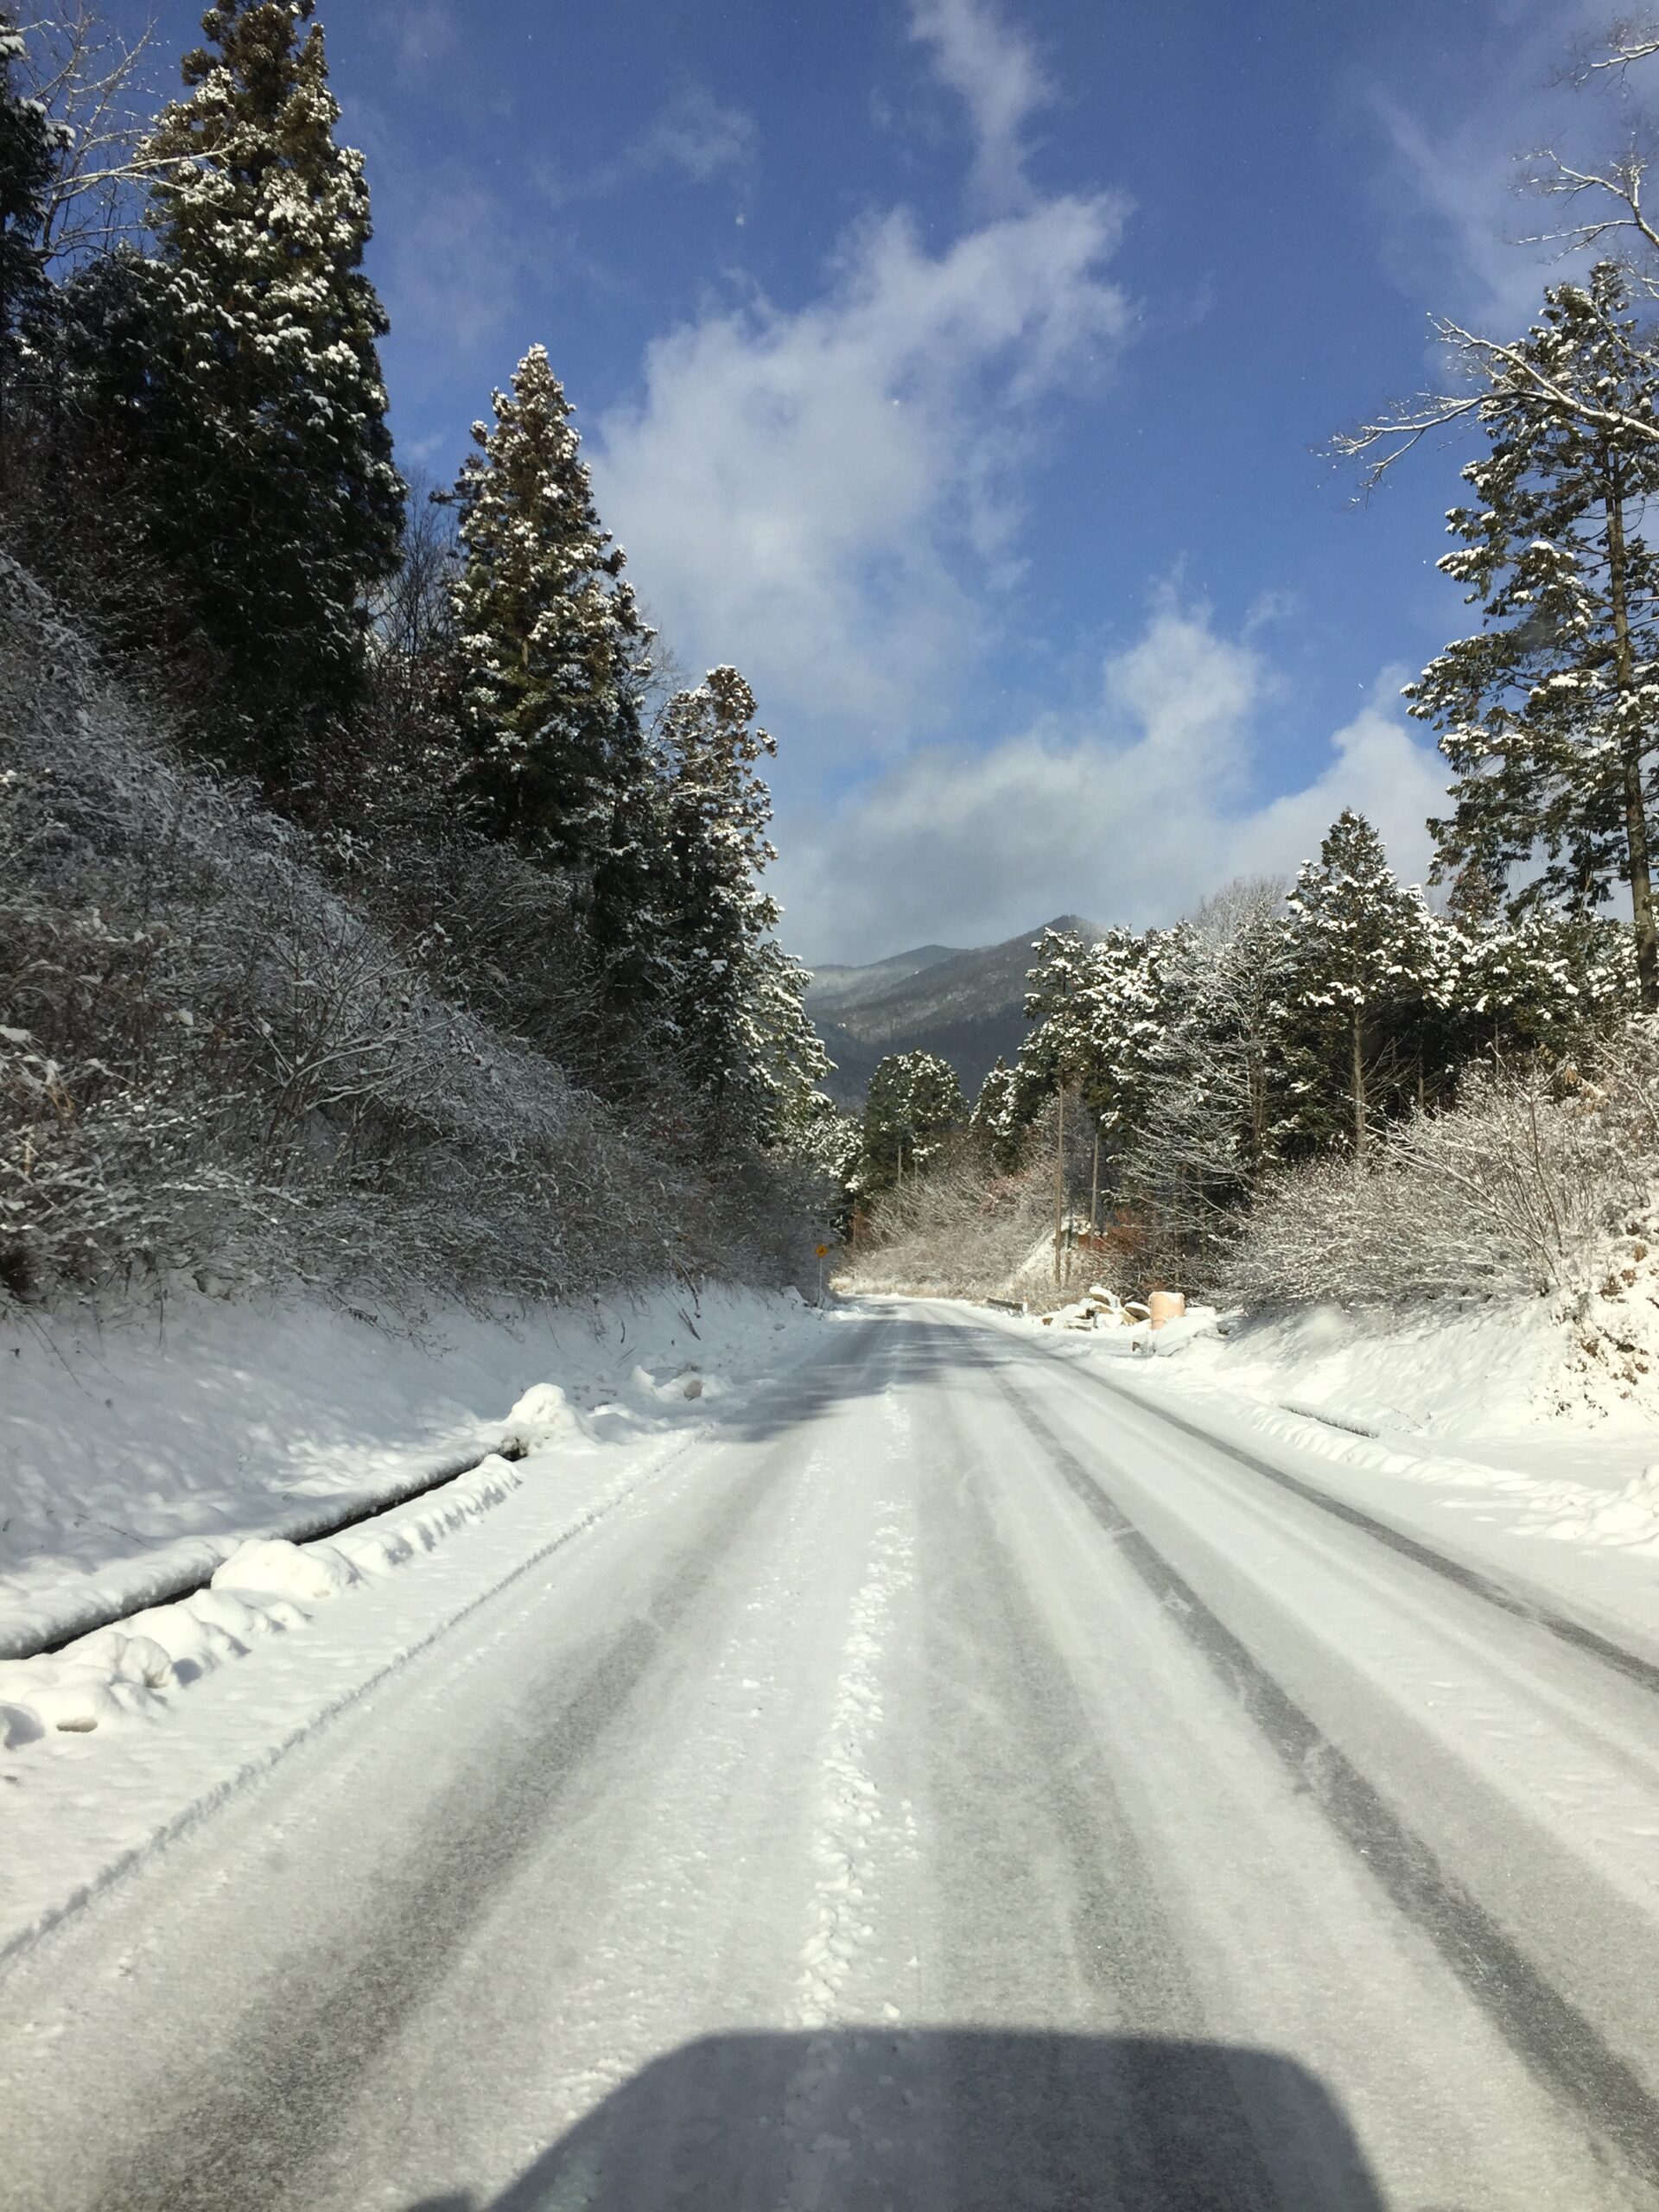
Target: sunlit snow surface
x,y
936,1780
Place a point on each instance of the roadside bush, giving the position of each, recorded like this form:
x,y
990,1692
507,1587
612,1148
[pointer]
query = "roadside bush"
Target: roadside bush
x,y
1521,1189
212,1061
948,1233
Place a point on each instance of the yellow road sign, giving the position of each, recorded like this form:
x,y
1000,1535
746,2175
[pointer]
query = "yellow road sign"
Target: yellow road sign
x,y
824,1251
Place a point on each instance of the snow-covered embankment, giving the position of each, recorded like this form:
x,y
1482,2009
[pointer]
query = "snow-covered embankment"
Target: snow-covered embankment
x,y
157,1488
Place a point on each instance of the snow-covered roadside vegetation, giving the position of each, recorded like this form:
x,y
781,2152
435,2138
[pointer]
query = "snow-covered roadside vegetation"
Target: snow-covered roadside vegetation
x,y
1504,1156
136,1463
1335,1090
381,930
1189,1111
215,1066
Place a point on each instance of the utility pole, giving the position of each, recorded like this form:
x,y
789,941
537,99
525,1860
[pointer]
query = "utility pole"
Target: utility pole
x,y
1094,1191
901,1163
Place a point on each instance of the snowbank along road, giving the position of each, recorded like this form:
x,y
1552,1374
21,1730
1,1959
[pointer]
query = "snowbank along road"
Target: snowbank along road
x,y
949,1785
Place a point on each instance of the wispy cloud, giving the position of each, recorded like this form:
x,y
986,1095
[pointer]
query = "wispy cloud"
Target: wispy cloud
x,y
456,258
424,32
829,493
978,53
1132,808
1449,195
695,137
814,493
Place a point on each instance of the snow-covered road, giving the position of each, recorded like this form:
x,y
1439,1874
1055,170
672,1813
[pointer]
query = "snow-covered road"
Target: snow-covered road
x,y
947,1785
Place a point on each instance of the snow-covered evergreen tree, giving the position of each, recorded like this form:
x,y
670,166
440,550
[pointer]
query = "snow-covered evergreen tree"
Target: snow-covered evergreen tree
x,y
782,1053
1548,714
997,1117
1095,1010
915,1101
27,165
1123,1015
278,507
1551,983
735,1000
822,1137
1367,966
1058,1049
555,657
1207,1071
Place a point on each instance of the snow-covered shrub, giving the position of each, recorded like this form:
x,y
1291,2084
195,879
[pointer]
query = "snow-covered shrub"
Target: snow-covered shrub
x,y
211,1060
1524,1188
948,1232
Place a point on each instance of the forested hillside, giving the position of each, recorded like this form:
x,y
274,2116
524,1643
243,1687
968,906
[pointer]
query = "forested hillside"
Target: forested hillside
x,y
1337,1087
372,912
966,1007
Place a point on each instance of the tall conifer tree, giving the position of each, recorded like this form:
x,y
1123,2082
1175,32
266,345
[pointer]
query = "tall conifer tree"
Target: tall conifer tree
x,y
1548,715
1363,971
26,170
735,998
915,1101
279,505
555,658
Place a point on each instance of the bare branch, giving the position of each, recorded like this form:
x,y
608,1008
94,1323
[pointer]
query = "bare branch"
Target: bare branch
x,y
1394,435
1621,184
1626,42
92,81
1503,369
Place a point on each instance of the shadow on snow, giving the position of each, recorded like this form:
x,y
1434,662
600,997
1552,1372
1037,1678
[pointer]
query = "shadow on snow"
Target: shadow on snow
x,y
953,2120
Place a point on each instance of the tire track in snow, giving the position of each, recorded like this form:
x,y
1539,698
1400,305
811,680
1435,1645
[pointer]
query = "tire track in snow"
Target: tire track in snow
x,y
853,1822
855,1833
1550,2036
1522,1604
674,1910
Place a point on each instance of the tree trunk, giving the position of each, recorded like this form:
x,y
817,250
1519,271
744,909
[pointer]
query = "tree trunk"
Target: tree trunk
x,y
1635,812
1059,1183
1359,1085
1258,1088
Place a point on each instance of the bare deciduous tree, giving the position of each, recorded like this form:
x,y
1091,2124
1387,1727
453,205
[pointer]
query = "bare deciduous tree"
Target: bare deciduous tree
x,y
92,79
1609,216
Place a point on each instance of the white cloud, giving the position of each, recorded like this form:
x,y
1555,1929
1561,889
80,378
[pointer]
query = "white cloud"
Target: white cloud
x,y
810,493
694,136
424,32
697,137
827,493
1453,210
1132,810
980,56
453,269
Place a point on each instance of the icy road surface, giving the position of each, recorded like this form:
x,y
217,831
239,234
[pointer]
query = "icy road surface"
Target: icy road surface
x,y
948,1786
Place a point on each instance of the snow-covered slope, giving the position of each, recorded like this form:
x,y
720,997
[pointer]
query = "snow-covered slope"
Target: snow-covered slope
x,y
1493,1426
135,1455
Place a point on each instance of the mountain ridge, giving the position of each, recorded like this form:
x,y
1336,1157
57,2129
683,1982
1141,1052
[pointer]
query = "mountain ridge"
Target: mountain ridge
x,y
966,1005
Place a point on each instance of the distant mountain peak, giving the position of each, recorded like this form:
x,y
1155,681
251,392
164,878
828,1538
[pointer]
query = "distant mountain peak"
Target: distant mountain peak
x,y
967,1007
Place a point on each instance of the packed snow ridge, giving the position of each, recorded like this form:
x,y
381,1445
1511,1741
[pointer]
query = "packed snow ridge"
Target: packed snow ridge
x,y
73,1523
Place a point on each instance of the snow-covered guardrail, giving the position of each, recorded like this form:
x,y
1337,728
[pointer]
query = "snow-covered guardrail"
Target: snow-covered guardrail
x,y
1331,1421
297,1526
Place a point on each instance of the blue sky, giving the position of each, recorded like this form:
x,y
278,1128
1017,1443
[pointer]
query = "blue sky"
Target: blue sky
x,y
958,368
